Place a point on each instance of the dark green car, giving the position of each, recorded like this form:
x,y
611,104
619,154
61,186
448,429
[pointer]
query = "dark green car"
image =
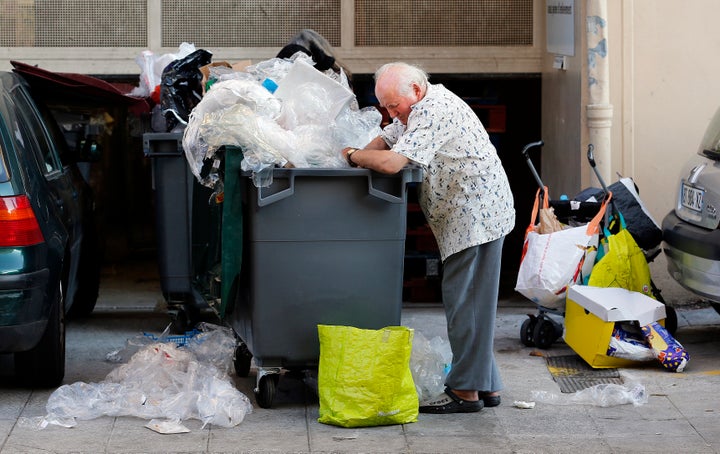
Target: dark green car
x,y
49,264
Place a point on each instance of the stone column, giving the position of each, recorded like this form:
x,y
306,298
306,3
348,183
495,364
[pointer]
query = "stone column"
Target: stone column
x,y
599,110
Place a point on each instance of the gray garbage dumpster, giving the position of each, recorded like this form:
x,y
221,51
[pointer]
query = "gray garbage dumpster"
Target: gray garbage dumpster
x,y
319,246
187,228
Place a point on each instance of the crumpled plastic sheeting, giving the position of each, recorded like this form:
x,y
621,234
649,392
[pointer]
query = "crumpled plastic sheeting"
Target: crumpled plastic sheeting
x,y
429,363
210,343
225,94
161,380
298,134
214,345
601,395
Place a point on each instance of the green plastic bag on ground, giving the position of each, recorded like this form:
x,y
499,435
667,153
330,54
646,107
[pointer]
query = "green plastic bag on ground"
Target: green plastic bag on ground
x,y
364,376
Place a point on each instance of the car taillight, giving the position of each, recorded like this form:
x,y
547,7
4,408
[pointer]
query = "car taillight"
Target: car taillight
x,y
18,225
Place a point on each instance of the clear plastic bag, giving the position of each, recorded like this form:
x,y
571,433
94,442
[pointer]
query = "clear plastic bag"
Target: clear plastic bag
x,y
214,345
241,91
429,363
152,65
602,395
161,380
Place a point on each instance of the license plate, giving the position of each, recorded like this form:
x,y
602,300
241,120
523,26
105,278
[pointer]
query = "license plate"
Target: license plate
x,y
692,198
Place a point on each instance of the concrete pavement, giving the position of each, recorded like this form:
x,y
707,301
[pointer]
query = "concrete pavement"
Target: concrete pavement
x,y
682,413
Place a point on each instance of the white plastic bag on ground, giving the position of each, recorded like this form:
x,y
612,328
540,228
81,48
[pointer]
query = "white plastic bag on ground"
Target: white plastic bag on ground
x,y
161,380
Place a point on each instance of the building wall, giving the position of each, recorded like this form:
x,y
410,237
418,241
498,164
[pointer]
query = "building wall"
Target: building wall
x,y
562,116
670,90
666,93
663,93
449,36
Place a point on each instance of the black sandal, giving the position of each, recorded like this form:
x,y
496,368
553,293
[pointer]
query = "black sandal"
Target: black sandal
x,y
488,400
449,402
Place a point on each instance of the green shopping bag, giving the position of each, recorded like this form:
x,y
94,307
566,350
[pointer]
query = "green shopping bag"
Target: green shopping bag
x,y
622,263
364,376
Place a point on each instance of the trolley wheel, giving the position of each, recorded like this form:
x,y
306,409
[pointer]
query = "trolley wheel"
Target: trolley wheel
x,y
544,333
526,331
241,360
265,393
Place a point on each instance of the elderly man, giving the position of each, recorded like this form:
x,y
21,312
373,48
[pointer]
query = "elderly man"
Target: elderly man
x,y
467,201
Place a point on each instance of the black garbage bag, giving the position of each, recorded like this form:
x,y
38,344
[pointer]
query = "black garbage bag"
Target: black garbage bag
x,y
318,48
181,87
643,228
626,199
313,44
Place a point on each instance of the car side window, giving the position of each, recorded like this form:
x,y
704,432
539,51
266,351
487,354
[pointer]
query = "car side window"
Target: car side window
x,y
3,170
33,127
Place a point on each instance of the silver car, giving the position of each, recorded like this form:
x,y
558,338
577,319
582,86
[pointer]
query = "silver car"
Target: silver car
x,y
690,231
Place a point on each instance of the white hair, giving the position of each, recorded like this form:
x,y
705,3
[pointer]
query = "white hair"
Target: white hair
x,y
407,75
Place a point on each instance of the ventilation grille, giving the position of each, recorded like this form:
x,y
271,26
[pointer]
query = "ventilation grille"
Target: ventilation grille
x,y
443,23
264,23
78,23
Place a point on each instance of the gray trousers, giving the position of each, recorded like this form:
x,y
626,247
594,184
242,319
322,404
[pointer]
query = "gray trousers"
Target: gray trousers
x,y
470,285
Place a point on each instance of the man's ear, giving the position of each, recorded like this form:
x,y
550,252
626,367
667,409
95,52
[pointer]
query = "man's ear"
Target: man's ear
x,y
417,91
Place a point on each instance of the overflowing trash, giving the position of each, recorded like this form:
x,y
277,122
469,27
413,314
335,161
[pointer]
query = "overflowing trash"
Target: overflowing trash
x,y
646,343
295,110
281,113
163,382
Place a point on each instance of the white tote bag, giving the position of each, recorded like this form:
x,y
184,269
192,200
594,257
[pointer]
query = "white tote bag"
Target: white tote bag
x,y
552,262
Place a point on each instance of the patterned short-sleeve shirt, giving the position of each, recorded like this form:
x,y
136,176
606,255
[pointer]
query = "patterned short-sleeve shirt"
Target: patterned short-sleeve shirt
x,y
465,195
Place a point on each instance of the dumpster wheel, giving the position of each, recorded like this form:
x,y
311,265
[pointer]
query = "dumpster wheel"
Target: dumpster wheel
x,y
266,389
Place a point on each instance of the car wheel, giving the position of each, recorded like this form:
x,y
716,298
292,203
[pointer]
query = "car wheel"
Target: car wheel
x,y
88,276
44,365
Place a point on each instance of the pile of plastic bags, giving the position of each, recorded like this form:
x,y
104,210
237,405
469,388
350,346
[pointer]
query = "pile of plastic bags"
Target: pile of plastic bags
x,y
163,382
282,112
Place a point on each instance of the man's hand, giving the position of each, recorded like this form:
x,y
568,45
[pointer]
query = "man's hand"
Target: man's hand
x,y
347,154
